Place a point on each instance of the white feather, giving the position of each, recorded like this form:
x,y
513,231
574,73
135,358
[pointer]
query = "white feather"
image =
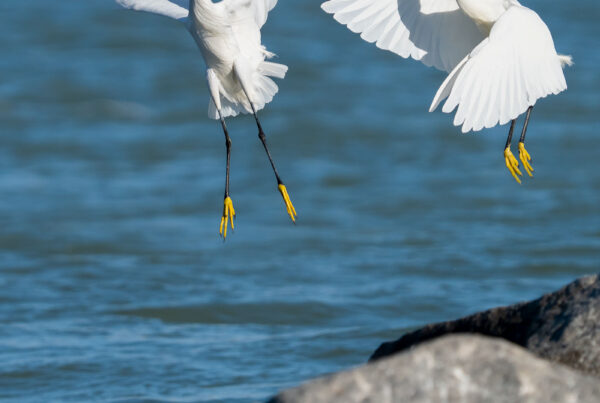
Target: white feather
x,y
259,8
436,32
505,74
177,9
228,35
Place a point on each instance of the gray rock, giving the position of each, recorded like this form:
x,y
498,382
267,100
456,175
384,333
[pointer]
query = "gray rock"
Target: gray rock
x,y
456,368
563,327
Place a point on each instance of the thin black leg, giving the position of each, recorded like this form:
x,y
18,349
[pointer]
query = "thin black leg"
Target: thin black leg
x,y
228,145
280,185
522,140
510,133
523,154
228,210
263,139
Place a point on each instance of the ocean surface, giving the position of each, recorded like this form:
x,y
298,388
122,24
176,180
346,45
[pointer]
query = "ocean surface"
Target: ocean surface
x,y
114,283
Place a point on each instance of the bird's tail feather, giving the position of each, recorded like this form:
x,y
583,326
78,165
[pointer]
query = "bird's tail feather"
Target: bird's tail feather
x,y
177,9
263,92
273,69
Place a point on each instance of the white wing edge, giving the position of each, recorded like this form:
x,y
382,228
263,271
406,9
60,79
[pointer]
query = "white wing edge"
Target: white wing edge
x,y
161,7
444,91
434,32
378,22
505,73
262,9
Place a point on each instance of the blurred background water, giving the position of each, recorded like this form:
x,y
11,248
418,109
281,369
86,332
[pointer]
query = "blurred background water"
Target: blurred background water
x,y
114,284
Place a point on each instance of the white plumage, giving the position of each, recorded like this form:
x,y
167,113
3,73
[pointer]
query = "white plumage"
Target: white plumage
x,y
228,35
176,9
500,54
238,75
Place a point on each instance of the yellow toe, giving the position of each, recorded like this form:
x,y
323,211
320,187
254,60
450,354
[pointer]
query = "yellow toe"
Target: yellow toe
x,y
512,164
525,159
227,218
288,203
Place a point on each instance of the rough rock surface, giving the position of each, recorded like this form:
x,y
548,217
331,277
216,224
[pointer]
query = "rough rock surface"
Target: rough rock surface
x,y
458,368
563,327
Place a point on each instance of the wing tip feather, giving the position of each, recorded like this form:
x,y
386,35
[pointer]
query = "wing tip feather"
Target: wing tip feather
x,y
566,60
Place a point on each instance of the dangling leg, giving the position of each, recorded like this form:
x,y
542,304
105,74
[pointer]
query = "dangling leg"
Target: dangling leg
x,y
523,154
282,189
511,162
228,210
261,135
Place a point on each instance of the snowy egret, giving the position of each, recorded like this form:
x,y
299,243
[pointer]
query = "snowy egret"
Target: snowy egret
x,y
500,56
228,35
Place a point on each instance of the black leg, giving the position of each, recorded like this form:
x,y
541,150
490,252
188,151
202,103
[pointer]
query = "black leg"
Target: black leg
x,y
228,210
228,145
282,189
263,139
523,154
522,140
510,133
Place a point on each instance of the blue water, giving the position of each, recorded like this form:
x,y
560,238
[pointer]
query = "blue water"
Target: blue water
x,y
114,284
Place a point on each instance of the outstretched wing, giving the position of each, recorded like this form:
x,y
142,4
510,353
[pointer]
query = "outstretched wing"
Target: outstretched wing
x,y
259,9
505,74
177,9
436,32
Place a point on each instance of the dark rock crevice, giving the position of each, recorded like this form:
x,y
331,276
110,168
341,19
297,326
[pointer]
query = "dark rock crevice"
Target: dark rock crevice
x,y
560,326
546,350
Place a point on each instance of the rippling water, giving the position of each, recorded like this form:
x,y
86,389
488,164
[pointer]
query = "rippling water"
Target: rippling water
x,y
114,284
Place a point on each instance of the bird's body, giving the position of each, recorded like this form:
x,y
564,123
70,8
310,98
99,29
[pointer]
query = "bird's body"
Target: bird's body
x,y
228,35
500,54
505,74
238,74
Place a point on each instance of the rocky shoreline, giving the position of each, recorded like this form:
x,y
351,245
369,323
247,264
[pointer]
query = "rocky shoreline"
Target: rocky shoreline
x,y
545,350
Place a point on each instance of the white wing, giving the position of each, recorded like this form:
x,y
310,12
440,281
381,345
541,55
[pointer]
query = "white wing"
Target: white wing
x,y
436,32
505,74
177,9
259,9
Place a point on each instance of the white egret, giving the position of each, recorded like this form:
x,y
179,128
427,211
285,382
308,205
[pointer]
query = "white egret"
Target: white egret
x,y
500,56
229,38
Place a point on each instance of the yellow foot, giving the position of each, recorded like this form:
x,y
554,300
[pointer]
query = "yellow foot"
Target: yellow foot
x,y
288,203
228,216
512,164
525,158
